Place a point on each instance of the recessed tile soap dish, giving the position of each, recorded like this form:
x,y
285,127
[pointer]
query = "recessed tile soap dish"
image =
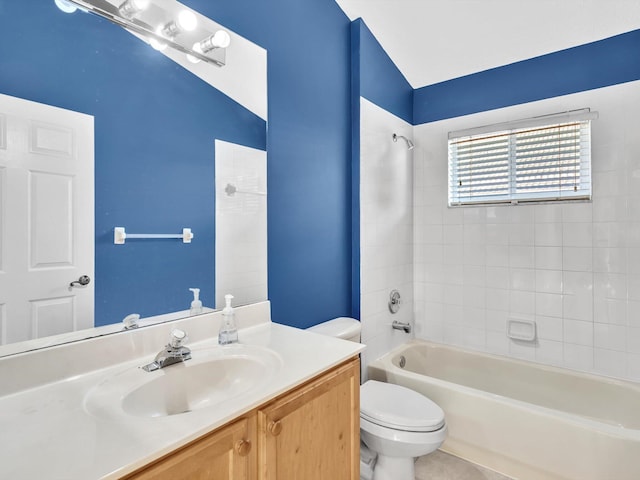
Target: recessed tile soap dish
x,y
521,329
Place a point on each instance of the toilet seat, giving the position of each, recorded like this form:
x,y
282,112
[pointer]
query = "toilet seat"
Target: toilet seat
x,y
399,408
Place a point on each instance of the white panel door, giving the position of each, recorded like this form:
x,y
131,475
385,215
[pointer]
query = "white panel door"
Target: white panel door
x,y
46,220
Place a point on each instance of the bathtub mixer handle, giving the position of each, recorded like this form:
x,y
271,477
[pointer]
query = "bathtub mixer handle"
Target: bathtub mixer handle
x,y
394,301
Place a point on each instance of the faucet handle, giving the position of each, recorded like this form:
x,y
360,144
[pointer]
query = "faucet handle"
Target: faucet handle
x,y
176,337
131,321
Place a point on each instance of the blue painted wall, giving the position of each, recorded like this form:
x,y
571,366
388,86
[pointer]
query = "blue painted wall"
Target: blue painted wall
x,y
594,65
375,77
155,127
309,150
381,82
309,137
308,140
355,169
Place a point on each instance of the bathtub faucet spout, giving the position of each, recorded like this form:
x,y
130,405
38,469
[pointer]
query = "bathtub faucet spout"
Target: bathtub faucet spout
x,y
406,327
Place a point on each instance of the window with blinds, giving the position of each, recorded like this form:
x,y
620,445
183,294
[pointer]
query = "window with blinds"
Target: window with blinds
x,y
528,164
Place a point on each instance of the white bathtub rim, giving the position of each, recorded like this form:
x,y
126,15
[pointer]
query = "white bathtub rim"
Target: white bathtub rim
x,y
385,363
521,361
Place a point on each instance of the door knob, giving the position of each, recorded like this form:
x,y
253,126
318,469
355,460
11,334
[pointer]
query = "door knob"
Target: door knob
x,y
82,281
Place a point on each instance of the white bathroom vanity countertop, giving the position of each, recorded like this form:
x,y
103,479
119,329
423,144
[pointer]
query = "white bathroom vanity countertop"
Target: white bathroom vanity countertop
x,y
47,431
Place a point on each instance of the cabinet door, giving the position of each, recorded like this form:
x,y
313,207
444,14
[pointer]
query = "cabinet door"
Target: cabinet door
x,y
314,432
228,453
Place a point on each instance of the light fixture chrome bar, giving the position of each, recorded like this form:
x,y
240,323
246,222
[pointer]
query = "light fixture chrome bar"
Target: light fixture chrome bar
x,y
110,12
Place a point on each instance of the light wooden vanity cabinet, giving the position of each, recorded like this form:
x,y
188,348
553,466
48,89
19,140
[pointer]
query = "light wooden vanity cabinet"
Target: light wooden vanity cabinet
x,y
313,433
310,433
228,453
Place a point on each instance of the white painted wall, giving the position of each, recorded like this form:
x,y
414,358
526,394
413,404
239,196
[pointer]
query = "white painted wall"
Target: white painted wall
x,y
386,231
574,268
437,40
241,224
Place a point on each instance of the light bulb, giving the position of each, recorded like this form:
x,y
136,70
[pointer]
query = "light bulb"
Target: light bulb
x,y
131,7
157,44
221,39
66,7
198,49
187,20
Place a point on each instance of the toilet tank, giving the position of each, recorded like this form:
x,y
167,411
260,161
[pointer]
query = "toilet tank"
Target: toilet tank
x,y
341,327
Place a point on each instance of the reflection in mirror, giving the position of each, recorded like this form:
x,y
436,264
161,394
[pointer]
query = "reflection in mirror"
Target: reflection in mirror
x,y
46,173
241,223
168,25
154,128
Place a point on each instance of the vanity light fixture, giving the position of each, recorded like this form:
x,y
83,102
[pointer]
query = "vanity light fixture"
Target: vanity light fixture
x,y
186,22
220,39
178,27
65,6
130,8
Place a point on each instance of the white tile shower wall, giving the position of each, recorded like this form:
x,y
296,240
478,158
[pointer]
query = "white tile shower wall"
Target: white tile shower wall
x,y
572,267
241,266
386,218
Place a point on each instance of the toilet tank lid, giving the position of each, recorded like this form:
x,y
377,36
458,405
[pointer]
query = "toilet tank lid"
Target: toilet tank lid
x,y
341,327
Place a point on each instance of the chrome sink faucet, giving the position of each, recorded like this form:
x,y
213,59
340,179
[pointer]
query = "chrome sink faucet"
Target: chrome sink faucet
x,y
173,352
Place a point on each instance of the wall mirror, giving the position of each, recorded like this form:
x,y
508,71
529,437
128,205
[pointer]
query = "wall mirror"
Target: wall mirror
x,y
154,128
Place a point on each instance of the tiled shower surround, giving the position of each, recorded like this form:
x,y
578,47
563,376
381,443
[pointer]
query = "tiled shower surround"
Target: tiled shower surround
x,y
574,268
386,228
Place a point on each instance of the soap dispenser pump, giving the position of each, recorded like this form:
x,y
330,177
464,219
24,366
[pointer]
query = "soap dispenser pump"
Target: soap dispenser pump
x,y
196,304
228,330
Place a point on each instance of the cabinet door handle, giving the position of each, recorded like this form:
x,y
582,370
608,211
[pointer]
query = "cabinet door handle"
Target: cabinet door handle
x,y
275,427
243,447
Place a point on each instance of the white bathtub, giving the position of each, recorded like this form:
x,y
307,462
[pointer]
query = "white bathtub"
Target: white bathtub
x,y
522,419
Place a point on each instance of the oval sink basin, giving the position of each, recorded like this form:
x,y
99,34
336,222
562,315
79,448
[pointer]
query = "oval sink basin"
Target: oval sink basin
x,y
212,376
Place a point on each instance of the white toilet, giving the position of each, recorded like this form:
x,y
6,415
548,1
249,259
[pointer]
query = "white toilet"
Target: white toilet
x,y
396,423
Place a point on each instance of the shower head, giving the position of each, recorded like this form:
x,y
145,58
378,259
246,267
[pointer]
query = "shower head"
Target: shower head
x,y
410,144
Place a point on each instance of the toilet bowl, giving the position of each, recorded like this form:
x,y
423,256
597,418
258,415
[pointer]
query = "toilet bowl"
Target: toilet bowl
x,y
396,424
399,424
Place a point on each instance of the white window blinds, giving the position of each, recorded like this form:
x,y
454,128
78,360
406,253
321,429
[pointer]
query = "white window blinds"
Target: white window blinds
x,y
534,162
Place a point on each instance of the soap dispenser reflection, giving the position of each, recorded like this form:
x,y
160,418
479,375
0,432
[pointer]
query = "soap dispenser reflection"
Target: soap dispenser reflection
x,y
228,330
196,304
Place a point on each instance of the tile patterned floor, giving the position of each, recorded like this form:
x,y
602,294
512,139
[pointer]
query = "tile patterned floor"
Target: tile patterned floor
x,y
442,466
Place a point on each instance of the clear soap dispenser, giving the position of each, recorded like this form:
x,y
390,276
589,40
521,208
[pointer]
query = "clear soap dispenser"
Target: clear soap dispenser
x,y
196,304
228,330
